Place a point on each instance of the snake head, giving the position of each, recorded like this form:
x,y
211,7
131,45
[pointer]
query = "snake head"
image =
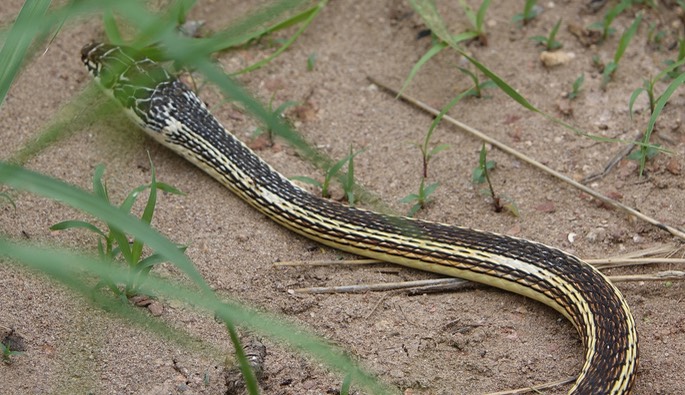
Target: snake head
x,y
114,65
126,74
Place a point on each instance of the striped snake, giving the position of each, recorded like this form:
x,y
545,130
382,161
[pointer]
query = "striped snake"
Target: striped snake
x,y
174,116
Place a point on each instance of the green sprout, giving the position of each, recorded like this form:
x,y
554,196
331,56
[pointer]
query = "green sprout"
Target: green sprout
x,y
481,174
675,72
114,245
420,199
8,353
626,37
604,25
477,20
648,151
311,61
575,88
347,181
550,43
530,11
478,86
276,113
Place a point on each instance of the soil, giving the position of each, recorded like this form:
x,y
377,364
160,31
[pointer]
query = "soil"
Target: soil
x,y
474,341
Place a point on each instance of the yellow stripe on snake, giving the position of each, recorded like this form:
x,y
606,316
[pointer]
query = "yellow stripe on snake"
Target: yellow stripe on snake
x,y
174,116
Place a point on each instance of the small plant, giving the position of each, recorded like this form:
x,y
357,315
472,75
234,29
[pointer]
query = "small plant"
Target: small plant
x,y
347,182
114,244
626,37
550,43
278,112
605,25
530,12
575,88
11,344
311,61
477,20
481,174
478,86
656,37
7,353
646,150
421,198
675,72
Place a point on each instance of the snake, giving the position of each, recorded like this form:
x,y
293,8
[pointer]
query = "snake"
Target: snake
x,y
172,114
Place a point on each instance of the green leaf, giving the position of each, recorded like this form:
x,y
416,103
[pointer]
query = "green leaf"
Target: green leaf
x,y
430,189
307,180
112,32
99,187
29,28
633,97
660,103
480,17
434,50
626,37
413,210
75,224
409,198
437,149
25,180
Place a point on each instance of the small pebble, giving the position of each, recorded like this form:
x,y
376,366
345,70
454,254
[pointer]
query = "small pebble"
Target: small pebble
x,y
156,309
556,58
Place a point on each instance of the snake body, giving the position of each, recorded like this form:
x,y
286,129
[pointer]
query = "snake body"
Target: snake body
x,y
173,115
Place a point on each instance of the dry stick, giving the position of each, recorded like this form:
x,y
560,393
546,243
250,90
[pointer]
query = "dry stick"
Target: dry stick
x,y
532,162
601,263
535,388
450,283
328,262
625,151
375,287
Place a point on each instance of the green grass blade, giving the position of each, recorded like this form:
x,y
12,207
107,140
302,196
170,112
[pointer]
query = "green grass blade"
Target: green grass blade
x,y
27,26
70,269
112,32
29,181
99,188
148,213
310,15
480,17
660,103
434,50
626,38
636,93
75,224
307,180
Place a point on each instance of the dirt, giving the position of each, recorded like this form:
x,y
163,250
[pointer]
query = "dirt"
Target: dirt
x,y
473,341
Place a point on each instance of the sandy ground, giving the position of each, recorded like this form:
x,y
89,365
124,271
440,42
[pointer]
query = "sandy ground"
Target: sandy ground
x,y
474,341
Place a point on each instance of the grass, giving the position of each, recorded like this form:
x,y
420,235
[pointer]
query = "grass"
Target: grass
x,y
276,113
529,13
346,180
646,150
113,244
549,42
32,27
576,86
626,37
8,353
477,21
604,26
481,175
421,198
